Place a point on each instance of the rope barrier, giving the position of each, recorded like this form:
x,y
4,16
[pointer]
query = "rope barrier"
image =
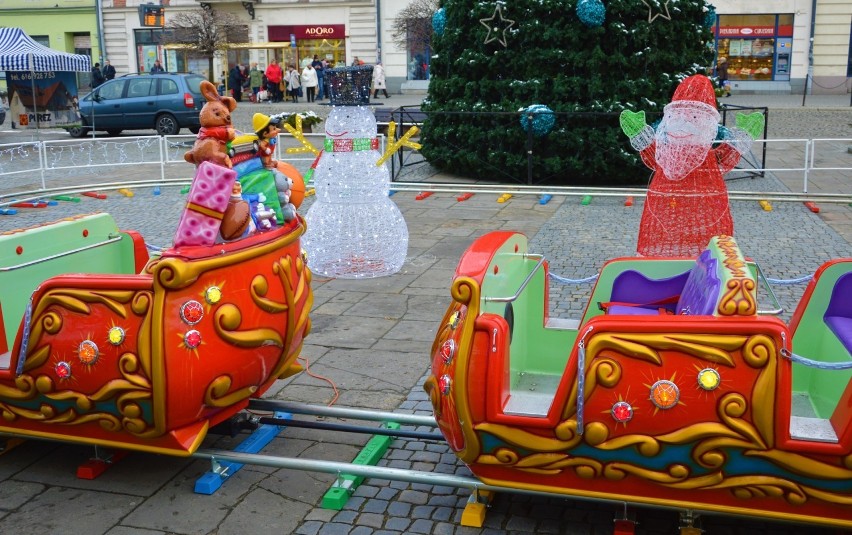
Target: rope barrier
x,y
799,280
798,359
565,280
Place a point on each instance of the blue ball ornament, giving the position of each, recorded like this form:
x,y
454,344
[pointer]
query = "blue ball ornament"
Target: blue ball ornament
x,y
439,22
591,12
710,17
542,121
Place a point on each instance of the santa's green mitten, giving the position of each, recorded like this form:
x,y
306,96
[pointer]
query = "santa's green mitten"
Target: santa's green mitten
x,y
632,122
752,123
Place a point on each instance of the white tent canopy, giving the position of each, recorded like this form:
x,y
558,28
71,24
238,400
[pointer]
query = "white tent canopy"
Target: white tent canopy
x,y
18,52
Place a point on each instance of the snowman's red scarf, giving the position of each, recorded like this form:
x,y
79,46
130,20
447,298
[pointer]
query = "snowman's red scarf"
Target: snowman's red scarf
x,y
352,145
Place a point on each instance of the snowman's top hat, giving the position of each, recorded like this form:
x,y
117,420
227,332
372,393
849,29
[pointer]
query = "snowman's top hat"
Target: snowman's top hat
x,y
350,86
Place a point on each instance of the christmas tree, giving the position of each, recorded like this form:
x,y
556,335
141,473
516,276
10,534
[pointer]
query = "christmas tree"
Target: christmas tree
x,y
588,58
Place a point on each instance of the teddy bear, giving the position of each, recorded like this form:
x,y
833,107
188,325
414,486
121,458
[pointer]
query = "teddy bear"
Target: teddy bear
x,y
216,130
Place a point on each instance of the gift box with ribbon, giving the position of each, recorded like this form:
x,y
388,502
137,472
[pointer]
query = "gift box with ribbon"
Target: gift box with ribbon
x,y
205,205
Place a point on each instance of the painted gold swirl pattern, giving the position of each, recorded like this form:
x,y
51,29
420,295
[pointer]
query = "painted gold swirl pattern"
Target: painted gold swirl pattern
x,y
466,291
174,273
218,395
738,299
133,385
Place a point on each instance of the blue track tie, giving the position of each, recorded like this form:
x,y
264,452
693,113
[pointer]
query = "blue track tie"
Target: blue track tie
x,y
211,481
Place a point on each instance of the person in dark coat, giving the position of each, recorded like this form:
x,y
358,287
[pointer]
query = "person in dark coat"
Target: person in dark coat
x,y
235,82
97,76
109,70
157,67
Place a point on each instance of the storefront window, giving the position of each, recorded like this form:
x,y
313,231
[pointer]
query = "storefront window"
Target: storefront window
x,y
757,46
419,41
748,59
148,48
326,41
331,50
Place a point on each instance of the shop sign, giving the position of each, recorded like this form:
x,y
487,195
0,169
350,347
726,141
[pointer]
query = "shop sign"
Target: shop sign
x,y
312,31
755,31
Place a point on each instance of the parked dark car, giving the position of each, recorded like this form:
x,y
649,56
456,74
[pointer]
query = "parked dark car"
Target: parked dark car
x,y
165,102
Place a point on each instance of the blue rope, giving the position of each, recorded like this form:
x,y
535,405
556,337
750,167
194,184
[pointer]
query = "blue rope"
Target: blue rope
x,y
817,364
563,280
800,280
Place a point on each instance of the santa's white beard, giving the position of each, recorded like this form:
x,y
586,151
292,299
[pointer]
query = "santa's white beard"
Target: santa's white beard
x,y
684,138
677,160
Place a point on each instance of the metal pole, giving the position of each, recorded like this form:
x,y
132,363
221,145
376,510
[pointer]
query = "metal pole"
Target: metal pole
x,y
342,412
529,147
163,155
397,474
100,31
31,61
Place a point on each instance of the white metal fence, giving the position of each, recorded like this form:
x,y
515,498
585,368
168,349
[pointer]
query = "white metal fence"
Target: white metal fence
x,y
31,168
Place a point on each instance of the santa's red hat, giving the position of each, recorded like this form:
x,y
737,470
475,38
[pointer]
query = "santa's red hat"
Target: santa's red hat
x,y
696,89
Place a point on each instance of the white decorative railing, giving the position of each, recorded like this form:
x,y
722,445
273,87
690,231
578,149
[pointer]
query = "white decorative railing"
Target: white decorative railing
x,y
35,168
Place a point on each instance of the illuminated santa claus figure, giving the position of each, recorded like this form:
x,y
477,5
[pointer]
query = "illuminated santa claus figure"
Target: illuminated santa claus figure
x,y
687,201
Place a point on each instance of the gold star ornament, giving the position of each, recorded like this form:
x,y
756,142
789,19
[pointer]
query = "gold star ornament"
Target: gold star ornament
x,y
497,26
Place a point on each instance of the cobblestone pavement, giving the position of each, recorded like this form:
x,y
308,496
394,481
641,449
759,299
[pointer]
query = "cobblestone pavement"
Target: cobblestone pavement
x,y
372,338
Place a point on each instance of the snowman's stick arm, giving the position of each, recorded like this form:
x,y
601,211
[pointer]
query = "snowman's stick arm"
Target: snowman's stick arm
x,y
405,140
300,136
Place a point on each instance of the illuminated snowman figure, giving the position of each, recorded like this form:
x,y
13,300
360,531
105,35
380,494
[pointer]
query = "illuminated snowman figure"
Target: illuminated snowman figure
x,y
354,229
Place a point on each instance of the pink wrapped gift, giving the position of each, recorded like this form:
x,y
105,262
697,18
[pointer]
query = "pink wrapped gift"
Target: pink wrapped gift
x,y
207,200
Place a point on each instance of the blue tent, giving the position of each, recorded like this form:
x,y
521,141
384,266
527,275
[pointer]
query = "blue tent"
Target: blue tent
x,y
18,52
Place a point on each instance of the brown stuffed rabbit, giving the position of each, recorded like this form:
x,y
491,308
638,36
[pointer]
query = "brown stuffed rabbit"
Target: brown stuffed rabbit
x,y
215,130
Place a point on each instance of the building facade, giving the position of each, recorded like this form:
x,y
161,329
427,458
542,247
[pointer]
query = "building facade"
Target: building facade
x,y
771,45
782,45
290,31
63,25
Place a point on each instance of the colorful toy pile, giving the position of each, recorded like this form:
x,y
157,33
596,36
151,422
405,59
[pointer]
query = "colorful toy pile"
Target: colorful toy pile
x,y
148,354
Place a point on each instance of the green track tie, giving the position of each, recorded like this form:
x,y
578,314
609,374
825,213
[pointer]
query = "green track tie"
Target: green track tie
x,y
336,497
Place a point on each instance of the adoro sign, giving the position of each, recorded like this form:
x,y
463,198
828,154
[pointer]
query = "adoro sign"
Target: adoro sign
x,y
313,31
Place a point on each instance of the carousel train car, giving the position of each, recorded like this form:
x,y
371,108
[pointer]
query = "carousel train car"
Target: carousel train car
x,y
101,345
671,390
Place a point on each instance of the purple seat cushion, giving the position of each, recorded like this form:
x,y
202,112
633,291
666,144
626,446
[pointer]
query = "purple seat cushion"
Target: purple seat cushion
x,y
630,286
838,315
631,311
842,329
701,291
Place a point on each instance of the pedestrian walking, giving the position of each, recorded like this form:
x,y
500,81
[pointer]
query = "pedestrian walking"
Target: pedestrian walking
x,y
310,81
235,81
320,70
722,75
379,81
274,77
255,79
109,71
97,75
157,67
